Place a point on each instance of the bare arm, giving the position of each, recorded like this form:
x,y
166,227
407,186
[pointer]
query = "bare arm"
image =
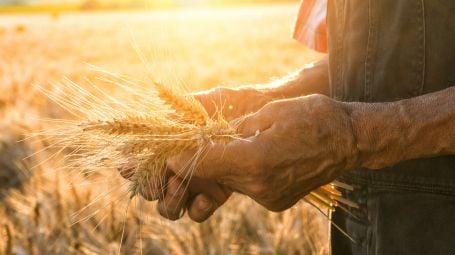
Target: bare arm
x,y
388,133
293,146
310,79
235,102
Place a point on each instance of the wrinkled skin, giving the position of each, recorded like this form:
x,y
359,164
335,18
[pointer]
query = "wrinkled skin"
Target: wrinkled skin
x,y
289,148
202,196
292,146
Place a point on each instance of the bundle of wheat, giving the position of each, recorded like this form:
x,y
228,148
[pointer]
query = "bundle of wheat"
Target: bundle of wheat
x,y
147,126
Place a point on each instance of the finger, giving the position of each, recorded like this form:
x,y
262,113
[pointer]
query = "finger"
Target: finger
x,y
215,161
219,160
127,170
218,193
152,188
174,200
154,185
201,208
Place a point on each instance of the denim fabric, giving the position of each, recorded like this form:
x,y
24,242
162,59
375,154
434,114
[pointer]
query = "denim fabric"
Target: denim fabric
x,y
398,214
386,50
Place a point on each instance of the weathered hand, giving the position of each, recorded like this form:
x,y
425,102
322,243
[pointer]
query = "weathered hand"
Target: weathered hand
x,y
290,147
202,196
232,102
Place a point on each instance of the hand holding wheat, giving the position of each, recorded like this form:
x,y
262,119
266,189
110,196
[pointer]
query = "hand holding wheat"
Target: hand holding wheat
x,y
171,149
289,148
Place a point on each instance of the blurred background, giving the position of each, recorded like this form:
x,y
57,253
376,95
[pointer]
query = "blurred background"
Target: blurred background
x,y
126,4
201,43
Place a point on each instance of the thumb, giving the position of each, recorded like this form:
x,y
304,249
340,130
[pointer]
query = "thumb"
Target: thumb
x,y
204,163
218,160
253,124
215,162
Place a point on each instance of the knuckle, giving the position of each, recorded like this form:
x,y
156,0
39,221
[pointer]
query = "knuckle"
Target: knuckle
x,y
318,97
319,102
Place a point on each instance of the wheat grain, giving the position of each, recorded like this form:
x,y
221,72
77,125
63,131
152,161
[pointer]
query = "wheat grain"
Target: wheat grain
x,y
112,130
188,107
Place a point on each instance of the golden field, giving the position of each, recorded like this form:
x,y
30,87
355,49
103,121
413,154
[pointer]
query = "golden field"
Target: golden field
x,y
46,210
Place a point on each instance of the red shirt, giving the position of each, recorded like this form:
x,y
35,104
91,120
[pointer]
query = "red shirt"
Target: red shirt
x,y
310,27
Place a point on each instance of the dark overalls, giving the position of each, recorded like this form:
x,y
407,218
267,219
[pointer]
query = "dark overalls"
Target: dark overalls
x,y
387,50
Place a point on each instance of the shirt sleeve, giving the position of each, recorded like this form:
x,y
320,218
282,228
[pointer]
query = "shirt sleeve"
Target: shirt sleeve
x,y
310,27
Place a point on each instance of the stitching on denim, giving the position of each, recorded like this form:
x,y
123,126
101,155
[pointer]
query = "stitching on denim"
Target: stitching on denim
x,y
369,54
371,237
424,36
435,189
419,59
338,50
403,185
342,91
369,234
340,9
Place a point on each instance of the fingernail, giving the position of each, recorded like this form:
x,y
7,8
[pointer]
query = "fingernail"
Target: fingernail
x,y
205,205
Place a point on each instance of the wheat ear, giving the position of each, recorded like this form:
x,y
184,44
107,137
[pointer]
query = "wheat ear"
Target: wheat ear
x,y
113,130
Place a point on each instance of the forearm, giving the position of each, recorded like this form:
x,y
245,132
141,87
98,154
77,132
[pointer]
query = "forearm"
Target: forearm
x,y
388,133
311,79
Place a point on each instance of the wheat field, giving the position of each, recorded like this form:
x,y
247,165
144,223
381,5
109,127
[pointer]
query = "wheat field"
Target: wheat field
x,y
46,210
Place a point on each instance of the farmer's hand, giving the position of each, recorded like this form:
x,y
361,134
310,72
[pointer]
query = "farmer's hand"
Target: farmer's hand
x,y
202,196
233,102
290,148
